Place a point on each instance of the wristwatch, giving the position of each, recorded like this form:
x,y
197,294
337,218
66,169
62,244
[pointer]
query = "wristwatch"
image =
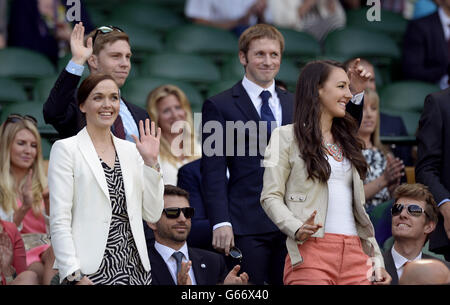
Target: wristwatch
x,y
156,167
74,278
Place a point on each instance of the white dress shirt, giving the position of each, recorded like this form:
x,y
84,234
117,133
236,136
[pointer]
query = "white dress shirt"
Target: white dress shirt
x,y
166,254
400,261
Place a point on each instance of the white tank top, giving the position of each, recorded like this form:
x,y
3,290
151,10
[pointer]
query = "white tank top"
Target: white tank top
x,y
340,218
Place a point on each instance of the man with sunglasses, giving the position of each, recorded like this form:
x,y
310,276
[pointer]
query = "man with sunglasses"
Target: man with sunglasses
x,y
414,217
107,50
173,262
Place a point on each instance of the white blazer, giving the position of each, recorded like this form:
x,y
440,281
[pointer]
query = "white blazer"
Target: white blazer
x,y
80,207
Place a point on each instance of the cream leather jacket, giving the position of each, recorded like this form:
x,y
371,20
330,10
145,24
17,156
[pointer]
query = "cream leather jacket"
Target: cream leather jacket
x,y
289,197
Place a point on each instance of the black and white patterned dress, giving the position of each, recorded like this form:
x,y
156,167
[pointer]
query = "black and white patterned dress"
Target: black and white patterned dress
x,y
377,164
121,264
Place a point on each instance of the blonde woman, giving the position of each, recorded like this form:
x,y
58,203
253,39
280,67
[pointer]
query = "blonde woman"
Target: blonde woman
x,y
169,108
385,170
23,188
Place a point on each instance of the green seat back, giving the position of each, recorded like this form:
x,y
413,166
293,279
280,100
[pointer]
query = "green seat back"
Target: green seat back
x,y
146,15
11,91
220,86
352,42
22,63
201,40
31,108
137,90
183,67
299,45
406,95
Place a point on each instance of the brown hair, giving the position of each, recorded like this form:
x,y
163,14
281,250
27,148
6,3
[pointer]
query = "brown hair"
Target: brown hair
x,y
104,38
307,113
421,192
171,190
259,31
89,84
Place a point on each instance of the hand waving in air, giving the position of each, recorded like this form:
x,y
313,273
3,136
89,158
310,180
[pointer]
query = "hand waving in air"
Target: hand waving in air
x,y
148,144
80,52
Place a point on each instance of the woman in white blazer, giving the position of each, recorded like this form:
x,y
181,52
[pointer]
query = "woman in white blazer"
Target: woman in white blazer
x,y
313,189
101,187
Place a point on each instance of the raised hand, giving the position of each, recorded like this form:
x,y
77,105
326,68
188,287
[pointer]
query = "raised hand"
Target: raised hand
x,y
358,77
183,277
80,53
148,144
234,279
26,192
308,228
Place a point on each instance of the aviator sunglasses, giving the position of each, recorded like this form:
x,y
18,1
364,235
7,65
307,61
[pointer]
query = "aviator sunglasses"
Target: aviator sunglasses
x,y
412,209
15,117
105,30
173,213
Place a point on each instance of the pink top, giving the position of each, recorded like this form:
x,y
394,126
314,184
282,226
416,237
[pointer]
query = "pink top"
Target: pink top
x,y
31,223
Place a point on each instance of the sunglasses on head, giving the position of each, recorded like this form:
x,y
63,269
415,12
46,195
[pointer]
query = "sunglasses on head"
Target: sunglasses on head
x,y
175,212
15,117
105,30
412,209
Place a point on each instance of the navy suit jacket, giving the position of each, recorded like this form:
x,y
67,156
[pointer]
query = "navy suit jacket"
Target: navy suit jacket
x,y
392,270
433,159
61,109
238,202
393,126
190,179
425,51
209,267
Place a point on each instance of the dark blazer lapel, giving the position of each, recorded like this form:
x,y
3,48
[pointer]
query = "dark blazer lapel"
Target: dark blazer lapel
x,y
160,271
244,103
390,266
286,106
199,266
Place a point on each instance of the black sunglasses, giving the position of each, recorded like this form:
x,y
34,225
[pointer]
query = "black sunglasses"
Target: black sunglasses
x,y
412,209
15,117
175,212
105,30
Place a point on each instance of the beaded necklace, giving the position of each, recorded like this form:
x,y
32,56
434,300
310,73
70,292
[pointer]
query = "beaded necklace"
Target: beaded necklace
x,y
334,150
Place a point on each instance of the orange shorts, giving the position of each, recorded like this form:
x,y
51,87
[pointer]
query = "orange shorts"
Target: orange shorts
x,y
335,259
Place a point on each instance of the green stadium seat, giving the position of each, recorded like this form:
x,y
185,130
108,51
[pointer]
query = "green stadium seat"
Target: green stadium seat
x,y
220,86
351,42
183,67
145,15
46,147
391,23
299,46
200,39
137,90
42,89
11,91
142,40
406,95
24,64
30,108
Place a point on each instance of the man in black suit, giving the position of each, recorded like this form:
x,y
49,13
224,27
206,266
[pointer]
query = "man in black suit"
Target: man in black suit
x,y
107,50
235,129
425,47
414,218
433,163
195,266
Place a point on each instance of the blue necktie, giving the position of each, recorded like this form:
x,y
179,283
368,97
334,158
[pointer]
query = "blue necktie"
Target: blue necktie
x,y
178,257
266,113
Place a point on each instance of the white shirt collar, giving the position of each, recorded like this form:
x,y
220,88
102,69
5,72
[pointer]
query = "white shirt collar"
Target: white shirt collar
x,y
254,90
445,20
166,252
399,260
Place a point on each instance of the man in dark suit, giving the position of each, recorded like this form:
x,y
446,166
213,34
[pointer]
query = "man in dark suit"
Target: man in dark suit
x,y
433,163
172,260
190,179
235,127
107,50
425,47
414,218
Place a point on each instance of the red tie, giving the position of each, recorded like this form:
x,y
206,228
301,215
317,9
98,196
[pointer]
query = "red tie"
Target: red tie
x,y
119,131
